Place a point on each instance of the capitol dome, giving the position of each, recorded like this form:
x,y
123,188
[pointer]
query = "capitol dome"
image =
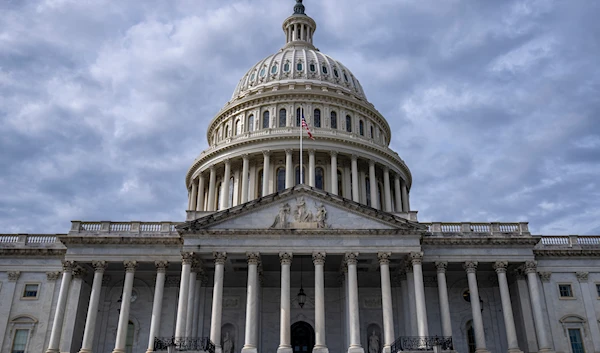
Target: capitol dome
x,y
254,141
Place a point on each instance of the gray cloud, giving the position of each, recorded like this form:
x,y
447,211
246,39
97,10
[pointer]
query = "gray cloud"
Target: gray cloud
x,y
493,105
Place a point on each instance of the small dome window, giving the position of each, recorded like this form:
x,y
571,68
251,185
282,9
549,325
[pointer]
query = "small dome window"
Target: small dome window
x,y
336,73
312,68
345,77
286,67
262,72
252,76
274,69
324,68
299,67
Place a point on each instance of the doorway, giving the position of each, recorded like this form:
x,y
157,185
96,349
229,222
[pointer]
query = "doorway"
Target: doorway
x,y
303,337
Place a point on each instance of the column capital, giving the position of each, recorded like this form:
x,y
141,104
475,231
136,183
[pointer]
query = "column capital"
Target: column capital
x,y
288,152
197,265
311,151
220,257
318,257
245,157
68,266
285,258
187,258
371,163
79,272
416,258
354,158
13,275
582,276
386,169
227,161
441,266
470,266
212,168
351,258
384,258
253,258
161,266
545,276
500,266
333,153
99,266
266,153
53,276
530,267
130,266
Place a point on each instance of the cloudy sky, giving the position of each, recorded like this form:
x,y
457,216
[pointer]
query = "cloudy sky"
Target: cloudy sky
x,y
494,105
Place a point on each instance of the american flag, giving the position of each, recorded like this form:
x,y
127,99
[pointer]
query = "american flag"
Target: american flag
x,y
305,125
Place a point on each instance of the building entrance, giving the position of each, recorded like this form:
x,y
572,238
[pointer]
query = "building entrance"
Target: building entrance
x,y
303,337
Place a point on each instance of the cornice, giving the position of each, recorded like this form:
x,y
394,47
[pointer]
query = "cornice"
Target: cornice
x,y
172,240
489,240
32,252
314,233
594,252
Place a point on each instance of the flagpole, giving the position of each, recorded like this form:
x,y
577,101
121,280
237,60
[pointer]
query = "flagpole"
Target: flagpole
x,y
301,116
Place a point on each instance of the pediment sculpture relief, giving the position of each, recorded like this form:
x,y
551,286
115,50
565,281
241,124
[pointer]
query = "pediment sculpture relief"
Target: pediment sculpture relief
x,y
303,218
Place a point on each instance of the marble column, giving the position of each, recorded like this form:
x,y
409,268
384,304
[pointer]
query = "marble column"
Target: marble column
x,y
212,181
320,342
386,301
355,186
530,270
284,325
266,169
250,334
200,199
373,185
443,294
159,287
245,168
397,193
217,302
225,186
387,191
121,340
189,316
289,169
353,308
90,320
405,206
311,168
422,327
471,269
194,195
509,321
61,304
334,175
186,265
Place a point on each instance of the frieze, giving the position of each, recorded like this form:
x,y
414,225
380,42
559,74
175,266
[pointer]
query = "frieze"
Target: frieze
x,y
130,239
303,218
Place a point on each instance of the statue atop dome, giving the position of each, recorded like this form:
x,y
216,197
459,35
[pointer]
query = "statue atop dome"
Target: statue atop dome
x,y
299,8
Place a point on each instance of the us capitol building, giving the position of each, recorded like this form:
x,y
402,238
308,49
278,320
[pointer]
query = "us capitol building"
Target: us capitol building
x,y
265,263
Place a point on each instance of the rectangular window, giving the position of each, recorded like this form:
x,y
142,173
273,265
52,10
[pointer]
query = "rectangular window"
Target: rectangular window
x,y
20,341
565,290
598,290
576,341
30,291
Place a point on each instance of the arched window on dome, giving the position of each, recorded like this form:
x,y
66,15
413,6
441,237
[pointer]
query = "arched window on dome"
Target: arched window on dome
x,y
317,118
238,127
259,184
340,183
230,192
298,175
379,196
251,123
348,123
298,114
218,198
282,117
368,189
372,132
361,128
319,178
334,120
226,134
280,179
265,122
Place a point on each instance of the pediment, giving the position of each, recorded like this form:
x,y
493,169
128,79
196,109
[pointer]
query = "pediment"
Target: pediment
x,y
301,208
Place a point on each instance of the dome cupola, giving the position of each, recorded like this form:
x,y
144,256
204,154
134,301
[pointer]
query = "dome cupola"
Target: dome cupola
x,y
299,28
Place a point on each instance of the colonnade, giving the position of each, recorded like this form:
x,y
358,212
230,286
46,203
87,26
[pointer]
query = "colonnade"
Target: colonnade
x,y
354,172
191,266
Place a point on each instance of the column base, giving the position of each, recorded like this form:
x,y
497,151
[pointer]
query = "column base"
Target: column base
x,y
118,350
321,349
356,349
514,350
85,350
546,350
285,349
482,350
249,350
386,349
52,351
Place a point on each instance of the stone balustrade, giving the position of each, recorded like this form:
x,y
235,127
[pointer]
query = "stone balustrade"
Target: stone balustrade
x,y
26,239
550,241
103,227
493,228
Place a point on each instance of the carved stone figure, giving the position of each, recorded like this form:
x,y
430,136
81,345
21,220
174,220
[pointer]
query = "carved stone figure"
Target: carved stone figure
x,y
301,214
321,216
227,343
281,218
373,343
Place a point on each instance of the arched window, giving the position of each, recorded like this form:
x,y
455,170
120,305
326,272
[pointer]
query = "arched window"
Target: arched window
x,y
22,326
319,178
280,179
130,337
226,131
251,123
298,175
265,123
333,120
368,189
348,123
230,192
470,337
379,196
361,128
282,117
340,183
259,184
218,200
298,115
317,118
372,132
238,127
